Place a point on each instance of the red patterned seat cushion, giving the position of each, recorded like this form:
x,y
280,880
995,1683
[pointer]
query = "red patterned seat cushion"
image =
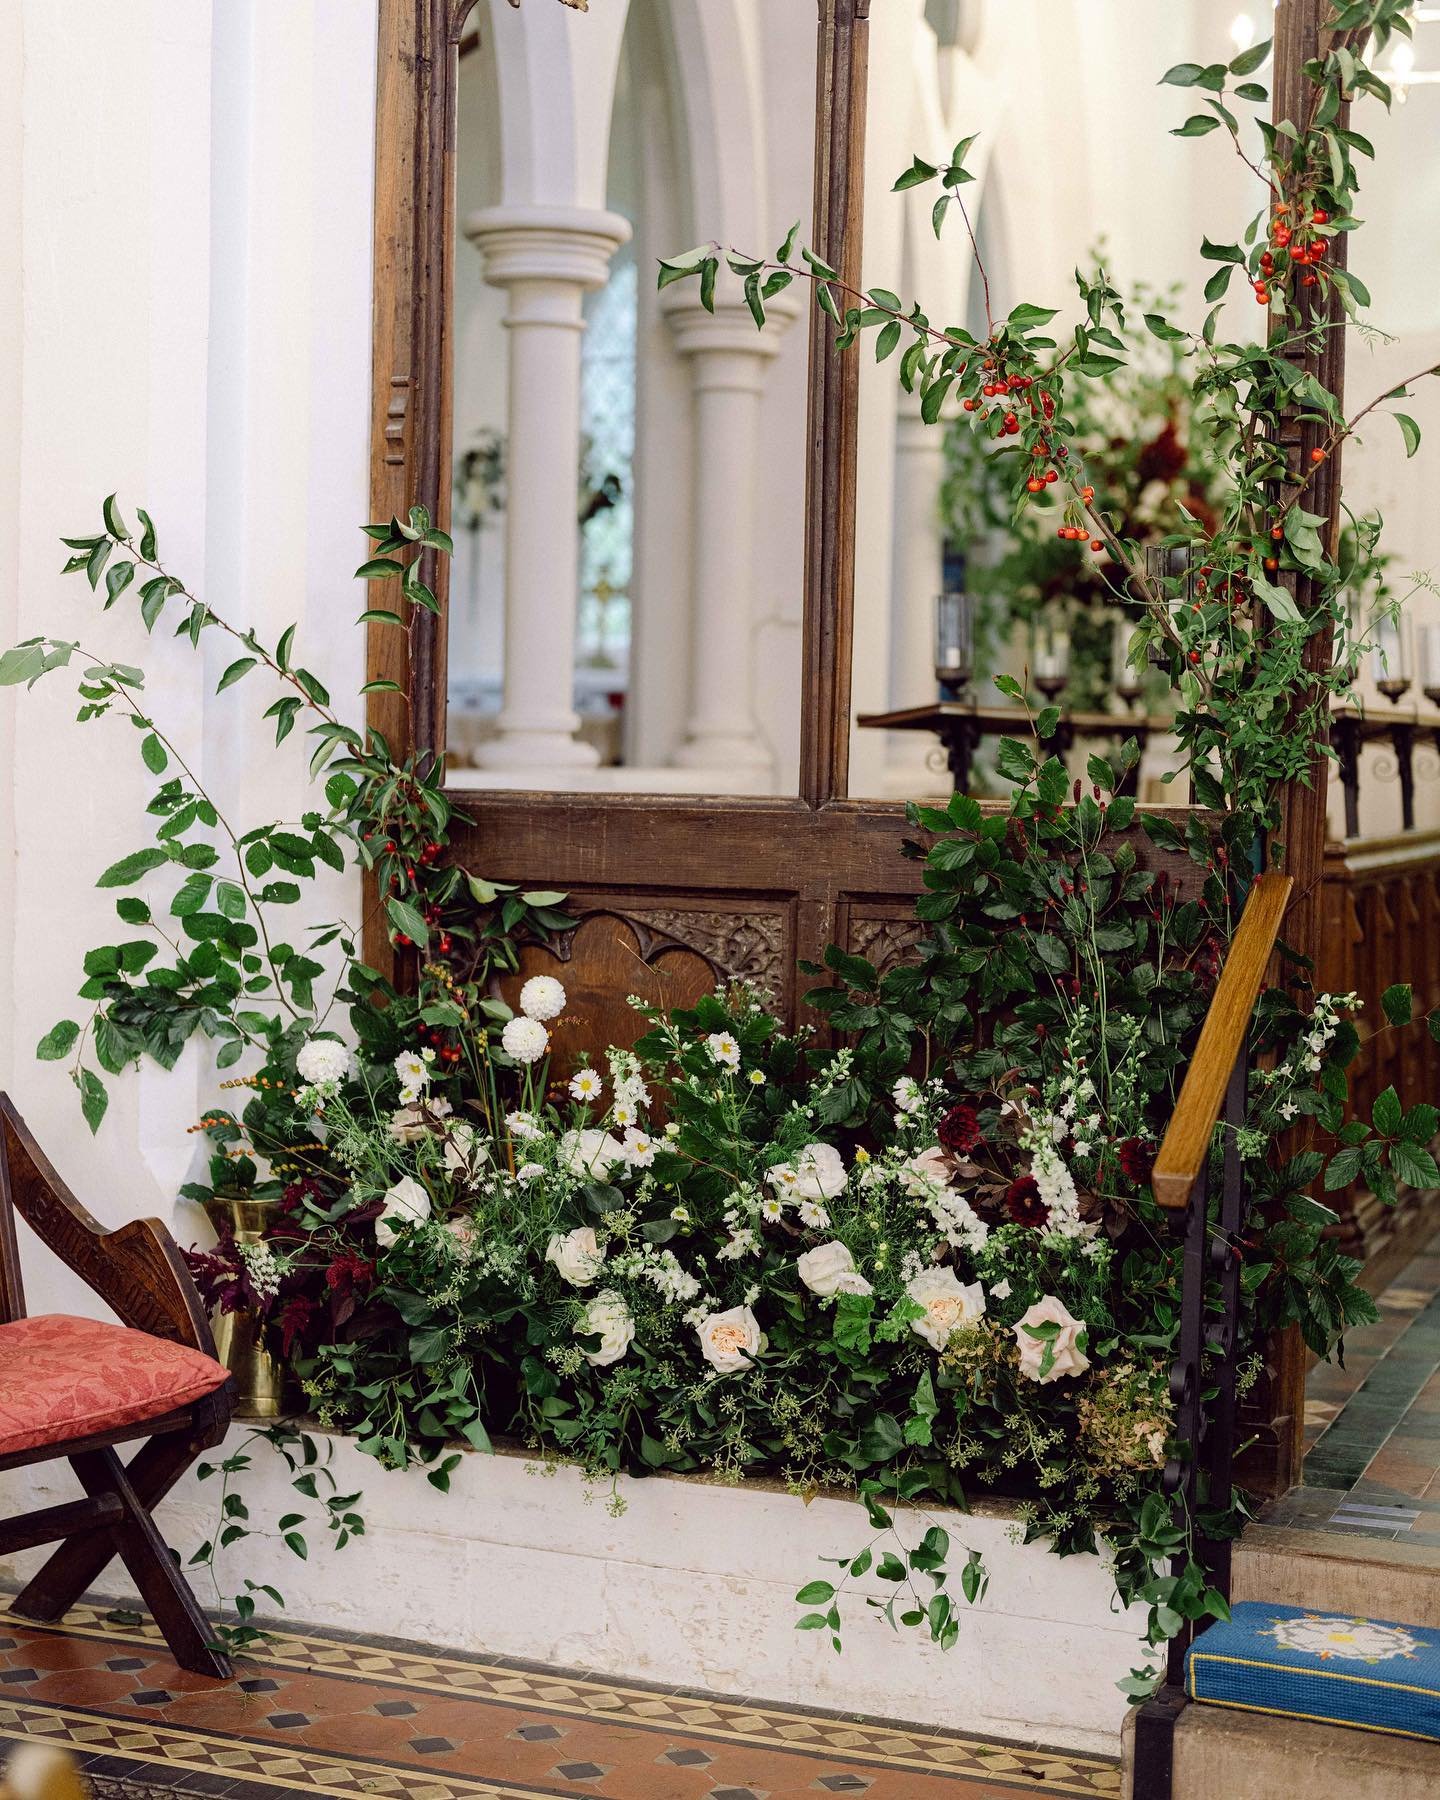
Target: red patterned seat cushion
x,y
64,1378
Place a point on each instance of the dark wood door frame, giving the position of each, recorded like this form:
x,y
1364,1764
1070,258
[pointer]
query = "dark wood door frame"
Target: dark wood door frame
x,y
818,868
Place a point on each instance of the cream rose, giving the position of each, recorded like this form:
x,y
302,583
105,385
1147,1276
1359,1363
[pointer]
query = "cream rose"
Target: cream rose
x,y
576,1255
729,1339
929,1170
1058,1353
949,1305
608,1318
830,1269
406,1203
590,1152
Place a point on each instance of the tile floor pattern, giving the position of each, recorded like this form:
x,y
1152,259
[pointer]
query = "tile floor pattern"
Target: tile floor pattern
x,y
333,1715
1372,1429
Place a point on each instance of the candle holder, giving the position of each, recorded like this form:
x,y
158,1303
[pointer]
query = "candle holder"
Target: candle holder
x,y
1390,660
954,643
1428,645
1051,663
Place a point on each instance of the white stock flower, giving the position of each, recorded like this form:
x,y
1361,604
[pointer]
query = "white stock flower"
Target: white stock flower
x,y
576,1255
407,1203
723,1049
906,1094
830,1269
542,997
590,1152
949,1305
729,1339
321,1061
585,1084
608,1318
525,1039
414,1072
1055,1352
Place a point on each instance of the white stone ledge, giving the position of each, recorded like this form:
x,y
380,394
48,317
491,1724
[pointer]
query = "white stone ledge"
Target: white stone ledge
x,y
693,1586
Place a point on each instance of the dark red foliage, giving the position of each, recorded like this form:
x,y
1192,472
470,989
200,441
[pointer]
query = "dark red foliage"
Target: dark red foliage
x,y
959,1130
1163,458
348,1272
1024,1205
295,1318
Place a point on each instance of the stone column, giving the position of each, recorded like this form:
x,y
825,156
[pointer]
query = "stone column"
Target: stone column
x,y
918,571
546,258
728,358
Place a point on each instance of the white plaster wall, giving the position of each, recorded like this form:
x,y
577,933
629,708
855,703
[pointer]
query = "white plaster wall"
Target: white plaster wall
x,y
693,1585
188,192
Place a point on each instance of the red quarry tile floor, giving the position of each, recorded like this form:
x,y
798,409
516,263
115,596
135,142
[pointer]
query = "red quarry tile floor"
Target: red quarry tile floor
x,y
331,1715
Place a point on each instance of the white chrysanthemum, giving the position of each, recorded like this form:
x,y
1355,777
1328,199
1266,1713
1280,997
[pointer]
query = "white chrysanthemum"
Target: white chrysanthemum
x,y
542,998
723,1049
639,1149
585,1084
321,1061
772,1208
814,1215
525,1039
624,1114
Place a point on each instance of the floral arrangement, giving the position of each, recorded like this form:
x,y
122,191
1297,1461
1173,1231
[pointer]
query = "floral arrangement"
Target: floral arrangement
x,y
921,1260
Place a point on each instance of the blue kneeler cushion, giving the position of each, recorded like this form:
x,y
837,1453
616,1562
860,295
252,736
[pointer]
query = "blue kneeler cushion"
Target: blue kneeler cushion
x,y
1301,1664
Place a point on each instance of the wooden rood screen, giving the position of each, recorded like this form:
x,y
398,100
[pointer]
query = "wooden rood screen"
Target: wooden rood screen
x,y
674,892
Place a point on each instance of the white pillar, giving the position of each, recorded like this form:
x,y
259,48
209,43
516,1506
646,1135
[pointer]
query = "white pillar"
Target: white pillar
x,y
727,357
546,258
918,551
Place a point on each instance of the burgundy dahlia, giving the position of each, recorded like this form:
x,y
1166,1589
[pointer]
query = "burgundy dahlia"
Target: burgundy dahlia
x,y
1024,1205
959,1130
1136,1159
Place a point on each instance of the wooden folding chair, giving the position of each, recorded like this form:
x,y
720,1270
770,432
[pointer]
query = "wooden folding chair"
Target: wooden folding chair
x,y
76,1387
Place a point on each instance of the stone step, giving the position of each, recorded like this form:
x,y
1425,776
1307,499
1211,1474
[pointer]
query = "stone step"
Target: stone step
x,y
1222,1753
1329,1571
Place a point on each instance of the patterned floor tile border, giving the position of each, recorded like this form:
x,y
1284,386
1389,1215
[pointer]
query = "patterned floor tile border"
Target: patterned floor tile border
x,y
766,1725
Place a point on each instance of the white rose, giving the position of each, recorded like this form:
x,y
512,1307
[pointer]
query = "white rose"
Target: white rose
x,y
608,1318
590,1152
322,1060
830,1269
949,1305
577,1256
407,1203
729,1339
819,1173
542,997
1059,1353
525,1039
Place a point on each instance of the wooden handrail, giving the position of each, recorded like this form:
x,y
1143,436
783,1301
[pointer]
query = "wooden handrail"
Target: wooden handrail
x,y
1187,1139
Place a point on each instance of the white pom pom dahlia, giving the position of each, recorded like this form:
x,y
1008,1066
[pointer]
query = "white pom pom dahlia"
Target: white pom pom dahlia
x,y
542,997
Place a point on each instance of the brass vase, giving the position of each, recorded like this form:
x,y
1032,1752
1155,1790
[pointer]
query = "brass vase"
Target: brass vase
x,y
261,1375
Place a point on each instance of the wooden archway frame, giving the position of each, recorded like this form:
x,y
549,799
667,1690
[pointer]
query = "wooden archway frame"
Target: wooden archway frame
x,y
817,868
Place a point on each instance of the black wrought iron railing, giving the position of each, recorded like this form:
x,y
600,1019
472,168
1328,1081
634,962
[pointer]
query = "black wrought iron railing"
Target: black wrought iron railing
x,y
1199,1477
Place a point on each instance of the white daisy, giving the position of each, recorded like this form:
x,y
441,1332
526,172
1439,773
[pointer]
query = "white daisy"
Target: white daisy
x,y
772,1208
639,1149
586,1085
723,1049
814,1216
